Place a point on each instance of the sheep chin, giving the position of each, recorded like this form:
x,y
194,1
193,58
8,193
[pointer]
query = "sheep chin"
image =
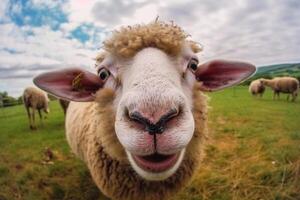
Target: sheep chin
x,y
155,176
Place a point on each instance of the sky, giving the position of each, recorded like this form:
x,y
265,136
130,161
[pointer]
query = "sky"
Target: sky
x,y
42,35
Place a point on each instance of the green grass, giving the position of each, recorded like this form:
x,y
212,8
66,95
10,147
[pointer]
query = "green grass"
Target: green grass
x,y
254,153
24,172
255,149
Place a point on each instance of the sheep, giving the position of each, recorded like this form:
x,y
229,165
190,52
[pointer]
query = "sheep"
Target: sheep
x,y
287,85
140,124
64,105
35,99
257,88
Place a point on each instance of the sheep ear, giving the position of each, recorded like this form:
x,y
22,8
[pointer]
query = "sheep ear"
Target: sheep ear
x,y
219,74
72,84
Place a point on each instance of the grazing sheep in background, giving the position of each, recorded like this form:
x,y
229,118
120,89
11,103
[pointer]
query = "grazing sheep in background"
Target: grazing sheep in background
x,y
142,128
279,85
35,99
257,88
64,105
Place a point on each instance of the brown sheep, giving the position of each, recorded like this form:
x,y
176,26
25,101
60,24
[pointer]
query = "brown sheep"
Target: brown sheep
x,y
64,105
279,85
35,99
141,124
257,88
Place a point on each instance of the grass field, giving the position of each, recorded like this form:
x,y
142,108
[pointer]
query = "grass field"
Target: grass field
x,y
254,153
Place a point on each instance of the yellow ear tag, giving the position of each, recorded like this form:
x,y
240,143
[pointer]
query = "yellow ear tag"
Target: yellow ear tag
x,y
76,83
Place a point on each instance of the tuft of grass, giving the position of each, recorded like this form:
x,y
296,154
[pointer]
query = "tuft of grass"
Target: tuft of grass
x,y
3,171
294,135
57,191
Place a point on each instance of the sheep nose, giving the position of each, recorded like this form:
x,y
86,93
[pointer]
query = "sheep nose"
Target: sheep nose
x,y
151,127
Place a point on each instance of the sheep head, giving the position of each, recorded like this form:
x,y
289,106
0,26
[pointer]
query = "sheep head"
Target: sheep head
x,y
153,70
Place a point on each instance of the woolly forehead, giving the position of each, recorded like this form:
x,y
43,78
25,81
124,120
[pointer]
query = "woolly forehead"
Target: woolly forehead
x,y
127,41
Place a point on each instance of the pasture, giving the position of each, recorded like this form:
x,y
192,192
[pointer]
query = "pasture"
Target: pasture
x,y
254,153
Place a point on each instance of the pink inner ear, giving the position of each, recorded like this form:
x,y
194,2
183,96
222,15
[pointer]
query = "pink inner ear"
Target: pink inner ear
x,y
219,74
72,84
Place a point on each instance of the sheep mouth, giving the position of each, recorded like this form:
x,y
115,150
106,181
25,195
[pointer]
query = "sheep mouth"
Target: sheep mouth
x,y
156,162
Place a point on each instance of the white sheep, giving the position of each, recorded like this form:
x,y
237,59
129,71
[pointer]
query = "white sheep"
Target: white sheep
x,y
35,99
257,88
142,128
287,85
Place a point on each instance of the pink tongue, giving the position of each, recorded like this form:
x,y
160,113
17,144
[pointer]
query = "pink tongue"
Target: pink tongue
x,y
156,162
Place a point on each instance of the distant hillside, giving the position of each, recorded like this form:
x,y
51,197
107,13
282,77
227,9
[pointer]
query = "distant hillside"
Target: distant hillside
x,y
270,71
280,70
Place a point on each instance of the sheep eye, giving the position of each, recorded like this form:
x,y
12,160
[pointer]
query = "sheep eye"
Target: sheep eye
x,y
193,65
103,74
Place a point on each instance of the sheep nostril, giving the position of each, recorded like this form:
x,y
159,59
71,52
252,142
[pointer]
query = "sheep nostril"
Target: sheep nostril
x,y
169,115
138,118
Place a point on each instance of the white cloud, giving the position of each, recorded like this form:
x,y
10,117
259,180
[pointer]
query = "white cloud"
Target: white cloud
x,y
145,14
79,11
44,50
111,12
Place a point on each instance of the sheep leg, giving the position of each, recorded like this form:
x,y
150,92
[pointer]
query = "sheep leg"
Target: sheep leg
x,y
274,95
294,96
33,118
278,95
29,116
41,117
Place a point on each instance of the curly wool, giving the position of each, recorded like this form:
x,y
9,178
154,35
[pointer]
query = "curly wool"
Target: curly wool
x,y
127,41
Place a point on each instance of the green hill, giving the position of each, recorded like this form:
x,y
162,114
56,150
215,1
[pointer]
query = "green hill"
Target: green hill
x,y
271,71
280,70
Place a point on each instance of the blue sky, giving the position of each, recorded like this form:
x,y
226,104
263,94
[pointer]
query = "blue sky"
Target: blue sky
x,y
41,35
23,12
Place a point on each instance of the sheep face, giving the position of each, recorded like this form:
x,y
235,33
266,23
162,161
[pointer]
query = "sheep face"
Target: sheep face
x,y
154,120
